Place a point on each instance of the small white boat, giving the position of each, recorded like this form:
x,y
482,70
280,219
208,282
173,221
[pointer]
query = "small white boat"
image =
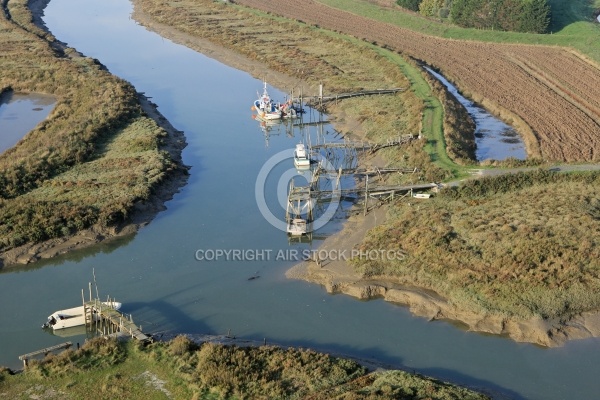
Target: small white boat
x,y
297,227
268,110
301,158
73,316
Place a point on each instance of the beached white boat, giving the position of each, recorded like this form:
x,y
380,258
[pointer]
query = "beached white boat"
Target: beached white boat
x,y
73,316
301,158
269,110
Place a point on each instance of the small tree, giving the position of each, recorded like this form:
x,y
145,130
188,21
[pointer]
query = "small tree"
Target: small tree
x,y
409,4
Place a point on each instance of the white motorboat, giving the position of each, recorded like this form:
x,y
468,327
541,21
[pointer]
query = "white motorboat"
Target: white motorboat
x,y
301,158
75,316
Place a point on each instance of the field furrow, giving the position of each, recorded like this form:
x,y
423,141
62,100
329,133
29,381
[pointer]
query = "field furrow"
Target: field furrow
x,y
551,89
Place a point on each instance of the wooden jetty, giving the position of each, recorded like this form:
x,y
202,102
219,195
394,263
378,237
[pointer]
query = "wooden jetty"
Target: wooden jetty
x,y
45,351
319,100
109,321
302,198
364,146
371,191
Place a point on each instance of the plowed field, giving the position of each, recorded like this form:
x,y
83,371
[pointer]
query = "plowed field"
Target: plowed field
x,y
552,90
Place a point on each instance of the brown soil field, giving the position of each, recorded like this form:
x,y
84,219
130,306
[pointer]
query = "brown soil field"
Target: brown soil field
x,y
548,93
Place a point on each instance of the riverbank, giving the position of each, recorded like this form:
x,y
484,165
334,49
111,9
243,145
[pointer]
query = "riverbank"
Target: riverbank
x,y
189,367
340,277
337,276
75,201
142,215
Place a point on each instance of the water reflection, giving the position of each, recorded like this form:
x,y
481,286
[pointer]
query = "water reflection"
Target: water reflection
x,y
494,139
20,113
167,289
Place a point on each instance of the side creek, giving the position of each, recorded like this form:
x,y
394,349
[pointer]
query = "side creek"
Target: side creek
x,y
494,138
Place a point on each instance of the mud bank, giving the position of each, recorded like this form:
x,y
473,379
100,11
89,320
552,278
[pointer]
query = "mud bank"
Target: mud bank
x,y
337,276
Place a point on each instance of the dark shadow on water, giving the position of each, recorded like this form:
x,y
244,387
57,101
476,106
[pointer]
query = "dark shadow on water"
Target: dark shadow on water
x,y
511,141
168,312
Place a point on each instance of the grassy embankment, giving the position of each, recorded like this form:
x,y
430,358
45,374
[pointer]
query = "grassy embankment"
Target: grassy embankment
x,y
485,266
311,55
572,25
91,161
181,369
520,245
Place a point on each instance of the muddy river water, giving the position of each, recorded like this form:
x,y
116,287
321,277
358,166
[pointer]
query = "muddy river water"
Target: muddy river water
x,y
158,277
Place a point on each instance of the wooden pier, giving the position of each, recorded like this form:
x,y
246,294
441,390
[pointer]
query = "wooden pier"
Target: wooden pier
x,y
369,191
364,146
45,351
109,321
301,199
320,100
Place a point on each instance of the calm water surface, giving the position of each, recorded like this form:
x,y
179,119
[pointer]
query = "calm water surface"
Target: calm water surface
x,y
495,139
19,114
156,276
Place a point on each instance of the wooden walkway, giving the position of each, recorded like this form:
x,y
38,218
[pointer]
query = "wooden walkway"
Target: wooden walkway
x,y
25,357
117,321
378,190
364,146
302,193
318,101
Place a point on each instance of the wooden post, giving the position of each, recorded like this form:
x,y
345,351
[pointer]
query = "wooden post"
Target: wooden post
x,y
366,195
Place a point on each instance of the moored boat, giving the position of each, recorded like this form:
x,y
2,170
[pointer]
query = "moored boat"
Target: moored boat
x,y
71,317
297,227
269,110
301,158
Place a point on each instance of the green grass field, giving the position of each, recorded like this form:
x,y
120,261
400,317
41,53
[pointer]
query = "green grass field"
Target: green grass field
x,y
572,25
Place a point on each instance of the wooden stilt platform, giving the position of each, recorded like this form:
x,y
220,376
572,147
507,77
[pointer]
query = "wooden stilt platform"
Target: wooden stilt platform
x,y
110,321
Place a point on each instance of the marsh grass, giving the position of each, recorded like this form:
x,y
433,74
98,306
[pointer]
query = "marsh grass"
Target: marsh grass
x,y
523,245
312,55
182,369
91,161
